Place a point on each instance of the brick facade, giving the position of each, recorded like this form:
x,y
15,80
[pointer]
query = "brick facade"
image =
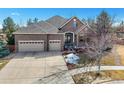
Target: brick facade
x,y
69,26
65,28
45,37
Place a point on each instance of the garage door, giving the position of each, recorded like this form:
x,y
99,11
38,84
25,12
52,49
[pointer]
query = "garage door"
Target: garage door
x,y
54,45
31,46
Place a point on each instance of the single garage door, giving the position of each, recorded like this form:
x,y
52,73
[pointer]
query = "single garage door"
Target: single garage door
x,y
31,46
54,45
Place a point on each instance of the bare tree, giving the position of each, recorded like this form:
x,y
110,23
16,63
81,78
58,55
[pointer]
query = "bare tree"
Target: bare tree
x,y
103,38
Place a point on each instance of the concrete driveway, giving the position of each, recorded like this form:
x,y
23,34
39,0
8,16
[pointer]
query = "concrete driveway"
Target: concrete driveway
x,y
29,67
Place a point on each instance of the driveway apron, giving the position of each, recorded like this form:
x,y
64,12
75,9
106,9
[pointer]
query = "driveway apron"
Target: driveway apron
x,y
27,68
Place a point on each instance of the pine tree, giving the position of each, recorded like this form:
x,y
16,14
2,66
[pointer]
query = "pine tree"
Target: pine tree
x,y
35,20
29,22
8,28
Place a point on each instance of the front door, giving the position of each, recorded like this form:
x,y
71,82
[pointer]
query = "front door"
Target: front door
x,y
69,38
69,41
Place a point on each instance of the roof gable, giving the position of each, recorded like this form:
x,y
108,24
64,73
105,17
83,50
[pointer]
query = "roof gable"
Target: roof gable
x,y
71,20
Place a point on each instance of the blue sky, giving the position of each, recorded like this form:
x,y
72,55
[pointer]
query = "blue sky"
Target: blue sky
x,y
20,15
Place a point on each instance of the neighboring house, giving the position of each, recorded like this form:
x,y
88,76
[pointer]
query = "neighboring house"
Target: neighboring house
x,y
120,31
119,36
52,34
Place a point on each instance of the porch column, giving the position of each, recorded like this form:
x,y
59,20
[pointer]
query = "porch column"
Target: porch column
x,y
73,38
77,40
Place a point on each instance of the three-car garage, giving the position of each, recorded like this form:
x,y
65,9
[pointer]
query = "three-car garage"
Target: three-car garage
x,y
39,43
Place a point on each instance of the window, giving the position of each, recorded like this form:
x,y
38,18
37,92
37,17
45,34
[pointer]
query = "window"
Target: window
x,y
74,24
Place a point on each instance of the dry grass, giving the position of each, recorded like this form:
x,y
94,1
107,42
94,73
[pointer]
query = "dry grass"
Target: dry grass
x,y
120,50
103,77
3,63
115,75
108,60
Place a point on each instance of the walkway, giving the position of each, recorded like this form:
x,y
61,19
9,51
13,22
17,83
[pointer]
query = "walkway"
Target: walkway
x,y
58,77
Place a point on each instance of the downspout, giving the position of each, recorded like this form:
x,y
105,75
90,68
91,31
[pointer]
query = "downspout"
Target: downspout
x,y
47,43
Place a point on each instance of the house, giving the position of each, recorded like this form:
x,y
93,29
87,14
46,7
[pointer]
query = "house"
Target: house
x,y
120,32
52,34
119,35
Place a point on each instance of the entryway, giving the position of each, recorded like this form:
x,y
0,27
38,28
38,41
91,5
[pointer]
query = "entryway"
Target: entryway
x,y
69,37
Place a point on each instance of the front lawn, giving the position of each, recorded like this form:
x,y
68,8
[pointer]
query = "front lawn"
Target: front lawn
x,y
120,50
105,76
108,60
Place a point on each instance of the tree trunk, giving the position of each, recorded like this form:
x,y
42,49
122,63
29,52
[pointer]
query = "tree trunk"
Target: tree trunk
x,y
99,65
98,71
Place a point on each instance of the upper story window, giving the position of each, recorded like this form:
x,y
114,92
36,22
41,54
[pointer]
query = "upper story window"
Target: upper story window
x,y
74,24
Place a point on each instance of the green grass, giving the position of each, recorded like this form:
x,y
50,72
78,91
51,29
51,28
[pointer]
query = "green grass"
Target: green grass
x,y
3,63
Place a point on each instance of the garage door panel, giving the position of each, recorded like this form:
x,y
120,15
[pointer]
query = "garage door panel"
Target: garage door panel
x,y
54,45
31,46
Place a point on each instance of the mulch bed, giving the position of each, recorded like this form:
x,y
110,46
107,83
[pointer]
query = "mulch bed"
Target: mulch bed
x,y
70,66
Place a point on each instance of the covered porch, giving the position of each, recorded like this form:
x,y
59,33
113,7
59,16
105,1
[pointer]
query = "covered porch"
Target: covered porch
x,y
74,40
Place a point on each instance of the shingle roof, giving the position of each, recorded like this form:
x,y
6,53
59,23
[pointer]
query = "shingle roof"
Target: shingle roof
x,y
41,27
51,25
57,21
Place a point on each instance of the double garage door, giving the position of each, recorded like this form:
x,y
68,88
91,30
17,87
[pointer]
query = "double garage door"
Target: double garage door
x,y
38,45
30,46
